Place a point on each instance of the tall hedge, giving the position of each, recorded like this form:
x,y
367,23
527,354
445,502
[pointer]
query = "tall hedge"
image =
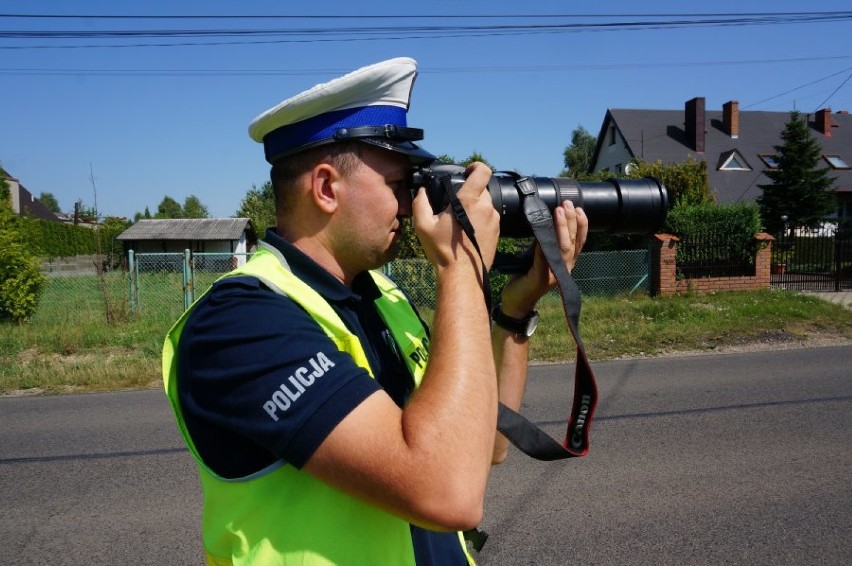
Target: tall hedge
x,y
715,232
739,220
55,239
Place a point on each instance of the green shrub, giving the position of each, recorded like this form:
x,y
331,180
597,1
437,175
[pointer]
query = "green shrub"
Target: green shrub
x,y
712,233
741,221
55,239
686,182
21,281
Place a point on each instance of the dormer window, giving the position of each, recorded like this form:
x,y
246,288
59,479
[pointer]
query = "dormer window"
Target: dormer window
x,y
733,161
769,159
836,162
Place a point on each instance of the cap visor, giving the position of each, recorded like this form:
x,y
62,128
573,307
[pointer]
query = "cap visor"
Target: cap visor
x,y
415,153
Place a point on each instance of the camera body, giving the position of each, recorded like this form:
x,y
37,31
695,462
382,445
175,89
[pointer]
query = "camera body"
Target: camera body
x,y
616,206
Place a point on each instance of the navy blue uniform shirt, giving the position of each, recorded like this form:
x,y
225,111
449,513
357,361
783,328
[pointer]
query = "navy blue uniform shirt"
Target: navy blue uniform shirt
x,y
243,341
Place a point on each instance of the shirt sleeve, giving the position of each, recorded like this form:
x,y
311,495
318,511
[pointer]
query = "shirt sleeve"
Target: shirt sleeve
x,y
256,372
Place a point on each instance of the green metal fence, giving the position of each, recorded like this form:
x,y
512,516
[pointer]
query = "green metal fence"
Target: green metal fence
x,y
160,286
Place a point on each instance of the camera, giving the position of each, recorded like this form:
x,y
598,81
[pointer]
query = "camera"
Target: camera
x,y
616,206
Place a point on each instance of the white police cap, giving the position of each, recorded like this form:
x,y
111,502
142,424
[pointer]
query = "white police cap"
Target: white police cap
x,y
368,105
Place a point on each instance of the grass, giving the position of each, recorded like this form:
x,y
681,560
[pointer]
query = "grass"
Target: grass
x,y
622,326
69,347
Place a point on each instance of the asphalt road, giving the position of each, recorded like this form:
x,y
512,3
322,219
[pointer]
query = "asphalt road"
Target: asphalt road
x,y
711,459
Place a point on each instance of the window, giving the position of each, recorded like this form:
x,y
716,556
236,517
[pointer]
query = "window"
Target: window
x,y
733,161
769,159
612,134
836,162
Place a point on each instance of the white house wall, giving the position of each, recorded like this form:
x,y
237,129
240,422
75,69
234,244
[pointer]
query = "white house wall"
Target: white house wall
x,y
240,249
178,246
613,156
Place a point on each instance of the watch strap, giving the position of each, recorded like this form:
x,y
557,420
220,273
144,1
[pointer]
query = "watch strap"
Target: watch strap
x,y
519,326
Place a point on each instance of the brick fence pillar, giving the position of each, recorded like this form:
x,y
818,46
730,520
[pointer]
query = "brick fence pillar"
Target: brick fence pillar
x,y
664,266
762,267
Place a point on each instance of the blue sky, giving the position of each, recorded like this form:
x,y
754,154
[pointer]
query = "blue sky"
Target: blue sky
x,y
152,121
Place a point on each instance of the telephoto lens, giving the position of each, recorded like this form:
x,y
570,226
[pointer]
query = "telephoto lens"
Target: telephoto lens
x,y
616,206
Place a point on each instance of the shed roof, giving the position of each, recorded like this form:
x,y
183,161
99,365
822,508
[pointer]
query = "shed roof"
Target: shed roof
x,y
195,229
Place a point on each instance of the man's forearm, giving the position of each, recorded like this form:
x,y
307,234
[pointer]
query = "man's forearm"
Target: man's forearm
x,y
456,406
511,355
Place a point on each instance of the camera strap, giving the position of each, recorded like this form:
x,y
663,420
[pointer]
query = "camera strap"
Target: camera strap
x,y
461,216
526,436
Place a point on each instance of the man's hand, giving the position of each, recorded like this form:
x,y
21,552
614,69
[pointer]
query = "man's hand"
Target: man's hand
x,y
443,239
428,462
520,297
523,291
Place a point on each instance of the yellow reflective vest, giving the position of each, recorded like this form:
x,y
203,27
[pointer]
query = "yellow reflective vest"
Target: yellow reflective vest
x,y
281,515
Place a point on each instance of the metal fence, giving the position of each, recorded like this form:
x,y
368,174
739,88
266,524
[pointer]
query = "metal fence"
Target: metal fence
x,y
158,287
712,254
596,273
166,284
812,259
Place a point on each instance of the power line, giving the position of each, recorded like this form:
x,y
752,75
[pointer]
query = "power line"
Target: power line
x,y
801,87
403,16
714,21
33,71
361,33
830,96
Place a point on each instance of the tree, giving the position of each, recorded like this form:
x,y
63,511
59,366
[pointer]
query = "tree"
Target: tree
x,y
800,190
169,208
475,156
259,206
192,208
49,201
84,213
142,215
21,280
5,191
686,182
578,155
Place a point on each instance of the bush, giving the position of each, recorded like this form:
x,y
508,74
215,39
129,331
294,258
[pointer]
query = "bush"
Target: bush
x,y
712,234
55,239
21,281
740,221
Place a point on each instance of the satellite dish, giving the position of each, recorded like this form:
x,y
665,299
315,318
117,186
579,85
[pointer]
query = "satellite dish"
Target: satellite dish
x,y
630,168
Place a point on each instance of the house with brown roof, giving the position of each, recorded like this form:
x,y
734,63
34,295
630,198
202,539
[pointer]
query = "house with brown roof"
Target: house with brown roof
x,y
738,145
24,203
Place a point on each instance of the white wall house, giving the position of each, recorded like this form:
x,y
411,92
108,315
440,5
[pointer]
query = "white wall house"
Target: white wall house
x,y
209,235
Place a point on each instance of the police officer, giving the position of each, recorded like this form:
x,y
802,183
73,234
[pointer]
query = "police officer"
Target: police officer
x,y
300,380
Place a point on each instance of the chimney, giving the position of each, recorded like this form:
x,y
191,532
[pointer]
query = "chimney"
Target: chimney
x,y
731,118
695,123
823,122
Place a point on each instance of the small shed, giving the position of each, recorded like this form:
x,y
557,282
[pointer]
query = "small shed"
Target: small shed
x,y
174,235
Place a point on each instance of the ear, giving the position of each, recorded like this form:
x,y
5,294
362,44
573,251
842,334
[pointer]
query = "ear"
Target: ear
x,y
325,180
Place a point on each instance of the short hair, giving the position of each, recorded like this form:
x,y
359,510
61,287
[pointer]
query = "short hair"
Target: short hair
x,y
343,156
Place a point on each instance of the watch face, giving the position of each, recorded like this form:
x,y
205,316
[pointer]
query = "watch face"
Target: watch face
x,y
532,324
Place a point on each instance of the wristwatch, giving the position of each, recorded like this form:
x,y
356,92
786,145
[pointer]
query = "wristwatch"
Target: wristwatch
x,y
522,327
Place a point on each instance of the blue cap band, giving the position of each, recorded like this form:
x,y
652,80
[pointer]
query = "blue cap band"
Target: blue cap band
x,y
287,139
